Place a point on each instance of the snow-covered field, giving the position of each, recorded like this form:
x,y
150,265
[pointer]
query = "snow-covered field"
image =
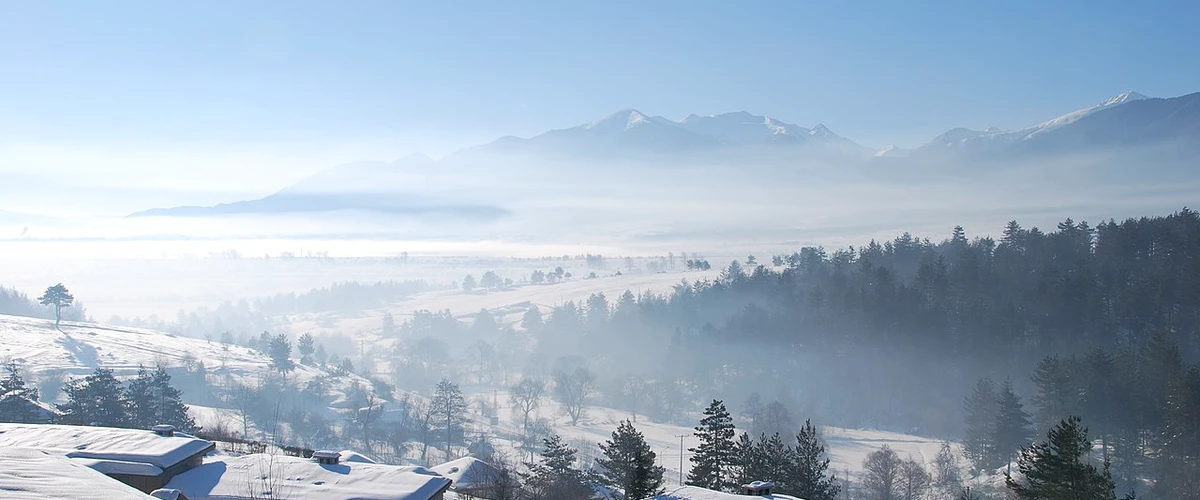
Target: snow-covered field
x,y
846,447
506,305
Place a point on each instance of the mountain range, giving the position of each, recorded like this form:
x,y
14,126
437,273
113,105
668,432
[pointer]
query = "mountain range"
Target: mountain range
x,y
1127,121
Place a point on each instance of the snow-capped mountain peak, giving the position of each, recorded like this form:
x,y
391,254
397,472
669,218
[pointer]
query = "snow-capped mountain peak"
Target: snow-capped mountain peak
x,y
965,139
625,119
822,132
1122,98
741,127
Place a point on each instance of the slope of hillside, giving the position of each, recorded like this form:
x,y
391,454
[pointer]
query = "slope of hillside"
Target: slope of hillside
x,y
80,348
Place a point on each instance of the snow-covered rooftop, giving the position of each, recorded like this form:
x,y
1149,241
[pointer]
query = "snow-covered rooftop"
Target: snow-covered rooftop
x,y
104,443
467,472
697,493
30,474
110,467
295,478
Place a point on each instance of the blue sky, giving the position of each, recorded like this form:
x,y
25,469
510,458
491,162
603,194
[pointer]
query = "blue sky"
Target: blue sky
x,y
342,81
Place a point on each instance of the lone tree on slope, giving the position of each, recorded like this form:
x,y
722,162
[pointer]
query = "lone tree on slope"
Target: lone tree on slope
x,y
59,297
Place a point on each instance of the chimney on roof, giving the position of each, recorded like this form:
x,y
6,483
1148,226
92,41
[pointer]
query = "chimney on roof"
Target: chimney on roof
x,y
327,457
164,430
758,488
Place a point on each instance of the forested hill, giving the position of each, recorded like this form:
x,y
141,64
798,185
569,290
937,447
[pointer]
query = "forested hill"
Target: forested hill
x,y
894,334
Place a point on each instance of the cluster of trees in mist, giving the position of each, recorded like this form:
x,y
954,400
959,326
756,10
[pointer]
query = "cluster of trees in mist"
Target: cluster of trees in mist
x,y
99,399
16,303
1143,406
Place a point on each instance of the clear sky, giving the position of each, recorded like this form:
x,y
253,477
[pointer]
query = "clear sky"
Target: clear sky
x,y
272,90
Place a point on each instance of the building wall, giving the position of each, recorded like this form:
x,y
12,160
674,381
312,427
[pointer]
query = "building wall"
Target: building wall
x,y
146,484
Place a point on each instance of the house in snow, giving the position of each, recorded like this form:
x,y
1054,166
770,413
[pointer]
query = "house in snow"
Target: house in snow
x,y
325,476
143,459
32,474
697,493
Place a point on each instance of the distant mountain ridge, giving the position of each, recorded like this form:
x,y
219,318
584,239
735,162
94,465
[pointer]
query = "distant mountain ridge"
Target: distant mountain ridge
x,y
634,132
739,138
1125,119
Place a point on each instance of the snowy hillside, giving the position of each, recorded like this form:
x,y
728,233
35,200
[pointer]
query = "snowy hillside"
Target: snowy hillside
x,y
80,348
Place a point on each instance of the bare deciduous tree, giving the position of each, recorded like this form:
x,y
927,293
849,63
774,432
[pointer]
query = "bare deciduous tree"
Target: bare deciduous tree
x,y
525,397
914,480
572,389
881,474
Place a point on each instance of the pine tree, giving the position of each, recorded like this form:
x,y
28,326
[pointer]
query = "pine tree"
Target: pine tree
x,y
59,297
450,407
140,411
554,476
1179,458
96,399
979,420
15,396
748,463
531,321
279,348
1011,431
712,459
776,459
1056,397
1059,469
628,463
168,402
306,346
807,474
151,400
1096,393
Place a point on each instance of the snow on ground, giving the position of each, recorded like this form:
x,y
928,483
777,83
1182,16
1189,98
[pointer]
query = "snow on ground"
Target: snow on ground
x,y
280,476
208,417
694,493
79,348
849,447
846,447
31,474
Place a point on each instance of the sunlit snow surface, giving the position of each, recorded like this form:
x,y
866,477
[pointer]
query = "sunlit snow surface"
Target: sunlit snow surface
x,y
31,474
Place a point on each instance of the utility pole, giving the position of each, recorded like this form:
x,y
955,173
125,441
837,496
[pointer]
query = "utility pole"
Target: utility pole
x,y
681,436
